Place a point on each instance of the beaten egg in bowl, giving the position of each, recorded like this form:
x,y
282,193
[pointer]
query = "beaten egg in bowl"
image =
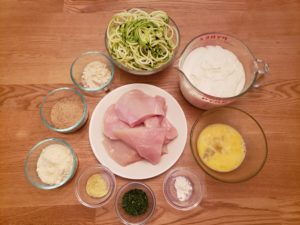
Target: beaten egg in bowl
x,y
221,147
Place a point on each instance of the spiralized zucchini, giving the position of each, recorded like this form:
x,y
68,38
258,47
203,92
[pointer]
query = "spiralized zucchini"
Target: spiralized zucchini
x,y
139,40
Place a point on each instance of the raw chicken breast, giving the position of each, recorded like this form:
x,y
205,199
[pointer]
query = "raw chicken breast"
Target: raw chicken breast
x,y
112,122
135,106
120,152
164,149
171,130
153,121
136,128
148,142
162,122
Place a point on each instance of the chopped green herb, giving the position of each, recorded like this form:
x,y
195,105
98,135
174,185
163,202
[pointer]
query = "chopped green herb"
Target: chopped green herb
x,y
135,202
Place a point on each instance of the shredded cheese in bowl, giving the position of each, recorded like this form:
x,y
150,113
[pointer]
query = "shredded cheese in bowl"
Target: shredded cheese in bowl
x,y
54,164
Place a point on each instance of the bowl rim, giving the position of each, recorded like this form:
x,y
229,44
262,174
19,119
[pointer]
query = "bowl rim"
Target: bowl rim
x,y
255,121
112,187
69,177
166,178
74,126
99,88
145,72
124,221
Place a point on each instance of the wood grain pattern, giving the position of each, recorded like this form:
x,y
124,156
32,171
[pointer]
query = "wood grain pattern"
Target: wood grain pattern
x,y
40,39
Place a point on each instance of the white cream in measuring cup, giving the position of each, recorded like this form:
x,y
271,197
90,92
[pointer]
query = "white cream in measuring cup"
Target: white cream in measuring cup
x,y
215,71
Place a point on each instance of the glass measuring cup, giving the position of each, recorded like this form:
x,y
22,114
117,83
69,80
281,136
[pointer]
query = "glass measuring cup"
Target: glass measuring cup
x,y
254,69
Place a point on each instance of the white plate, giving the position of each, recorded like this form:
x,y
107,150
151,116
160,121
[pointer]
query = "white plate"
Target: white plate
x,y
141,169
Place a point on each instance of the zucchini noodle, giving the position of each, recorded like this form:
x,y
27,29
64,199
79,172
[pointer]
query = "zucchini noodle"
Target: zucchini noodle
x,y
139,40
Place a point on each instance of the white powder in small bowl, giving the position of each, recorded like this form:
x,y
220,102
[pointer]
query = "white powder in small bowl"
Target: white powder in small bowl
x,y
54,164
95,74
183,188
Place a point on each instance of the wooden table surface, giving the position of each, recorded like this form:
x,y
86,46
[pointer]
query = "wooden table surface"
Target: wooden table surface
x,y
39,40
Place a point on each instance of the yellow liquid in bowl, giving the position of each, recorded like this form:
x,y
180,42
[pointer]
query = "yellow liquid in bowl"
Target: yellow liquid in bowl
x,y
96,186
221,147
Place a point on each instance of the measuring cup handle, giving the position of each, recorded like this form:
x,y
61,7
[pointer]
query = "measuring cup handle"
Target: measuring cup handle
x,y
262,70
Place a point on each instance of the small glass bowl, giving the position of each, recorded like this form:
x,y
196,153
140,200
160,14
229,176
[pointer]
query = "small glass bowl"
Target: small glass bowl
x,y
135,220
52,98
170,191
31,163
79,64
81,182
176,39
253,136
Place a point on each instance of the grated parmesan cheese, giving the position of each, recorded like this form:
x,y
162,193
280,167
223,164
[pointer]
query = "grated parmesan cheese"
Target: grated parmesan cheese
x,y
54,164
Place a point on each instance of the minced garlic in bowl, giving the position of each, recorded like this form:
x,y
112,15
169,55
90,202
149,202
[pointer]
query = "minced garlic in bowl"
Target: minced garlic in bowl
x,y
95,186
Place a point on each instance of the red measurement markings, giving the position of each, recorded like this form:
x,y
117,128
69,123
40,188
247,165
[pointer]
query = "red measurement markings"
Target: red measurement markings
x,y
214,36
